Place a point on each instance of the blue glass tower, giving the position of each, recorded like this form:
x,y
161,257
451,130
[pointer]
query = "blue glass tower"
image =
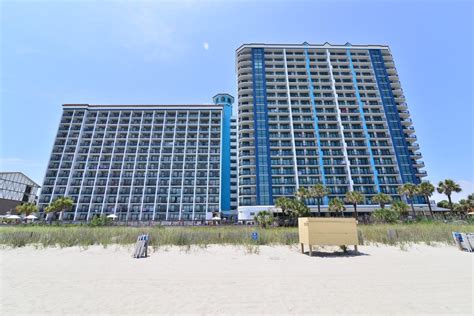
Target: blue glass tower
x,y
321,114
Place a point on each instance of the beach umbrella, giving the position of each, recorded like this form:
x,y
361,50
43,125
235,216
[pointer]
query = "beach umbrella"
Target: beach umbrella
x,y
31,216
13,217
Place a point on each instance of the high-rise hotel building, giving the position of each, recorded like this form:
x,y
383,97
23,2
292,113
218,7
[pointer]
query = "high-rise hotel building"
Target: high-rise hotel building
x,y
329,114
145,162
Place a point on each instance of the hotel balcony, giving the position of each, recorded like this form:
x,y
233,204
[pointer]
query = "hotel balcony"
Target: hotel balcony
x,y
409,129
419,164
407,121
402,106
404,114
395,84
421,173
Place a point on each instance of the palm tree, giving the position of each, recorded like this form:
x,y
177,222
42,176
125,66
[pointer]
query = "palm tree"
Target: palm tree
x,y
465,205
410,191
470,197
470,202
292,207
302,194
49,209
318,191
443,204
64,204
354,198
336,206
382,199
284,205
401,208
61,204
299,209
264,219
448,187
426,189
27,208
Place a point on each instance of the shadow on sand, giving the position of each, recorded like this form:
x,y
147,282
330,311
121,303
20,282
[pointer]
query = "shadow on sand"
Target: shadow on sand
x,y
336,254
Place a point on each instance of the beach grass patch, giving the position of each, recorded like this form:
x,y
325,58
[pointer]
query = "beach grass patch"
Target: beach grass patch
x,y
83,235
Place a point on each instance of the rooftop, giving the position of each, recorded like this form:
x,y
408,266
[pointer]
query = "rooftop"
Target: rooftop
x,y
140,106
306,44
18,173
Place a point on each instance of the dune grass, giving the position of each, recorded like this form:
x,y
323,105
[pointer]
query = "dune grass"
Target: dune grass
x,y
47,236
68,236
427,233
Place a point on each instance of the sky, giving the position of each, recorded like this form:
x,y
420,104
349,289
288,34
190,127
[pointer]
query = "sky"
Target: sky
x,y
131,52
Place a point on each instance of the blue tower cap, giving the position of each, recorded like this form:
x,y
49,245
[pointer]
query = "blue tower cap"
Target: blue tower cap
x,y
223,98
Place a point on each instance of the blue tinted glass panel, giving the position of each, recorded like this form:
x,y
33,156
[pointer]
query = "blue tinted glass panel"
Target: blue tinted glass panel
x,y
262,144
393,119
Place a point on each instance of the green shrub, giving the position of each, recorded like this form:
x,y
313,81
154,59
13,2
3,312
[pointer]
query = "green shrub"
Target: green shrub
x,y
384,215
99,221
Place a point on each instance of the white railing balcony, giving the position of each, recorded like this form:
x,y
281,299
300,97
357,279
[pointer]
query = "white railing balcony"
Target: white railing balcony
x,y
419,164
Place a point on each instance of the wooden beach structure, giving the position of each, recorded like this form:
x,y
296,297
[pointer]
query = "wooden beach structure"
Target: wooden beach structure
x,y
141,247
327,231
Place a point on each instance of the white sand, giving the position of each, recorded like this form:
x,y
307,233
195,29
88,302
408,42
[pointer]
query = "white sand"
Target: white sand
x,y
227,280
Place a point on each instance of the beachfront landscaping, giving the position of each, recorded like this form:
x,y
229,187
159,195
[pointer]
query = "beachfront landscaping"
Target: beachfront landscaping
x,y
68,236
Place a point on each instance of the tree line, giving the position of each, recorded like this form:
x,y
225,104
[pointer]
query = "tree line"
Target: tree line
x,y
59,205
296,207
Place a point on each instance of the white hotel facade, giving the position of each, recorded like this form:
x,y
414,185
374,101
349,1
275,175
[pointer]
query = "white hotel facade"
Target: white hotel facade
x,y
145,162
330,114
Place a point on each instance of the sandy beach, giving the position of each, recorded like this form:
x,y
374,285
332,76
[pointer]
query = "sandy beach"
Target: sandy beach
x,y
230,280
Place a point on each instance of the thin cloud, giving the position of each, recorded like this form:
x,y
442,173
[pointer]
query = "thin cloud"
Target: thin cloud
x,y
205,45
156,31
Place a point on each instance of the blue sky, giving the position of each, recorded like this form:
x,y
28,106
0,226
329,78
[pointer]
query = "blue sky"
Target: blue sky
x,y
164,52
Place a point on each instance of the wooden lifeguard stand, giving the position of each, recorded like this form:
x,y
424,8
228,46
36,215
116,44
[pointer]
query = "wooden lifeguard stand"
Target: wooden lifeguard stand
x,y
327,231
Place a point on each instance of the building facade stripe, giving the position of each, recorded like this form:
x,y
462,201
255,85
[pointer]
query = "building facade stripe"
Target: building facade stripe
x,y
158,177
171,166
208,161
81,129
183,170
94,187
147,164
339,122
316,121
198,139
86,117
364,123
225,152
62,156
393,119
261,130
293,145
111,160
134,166
121,168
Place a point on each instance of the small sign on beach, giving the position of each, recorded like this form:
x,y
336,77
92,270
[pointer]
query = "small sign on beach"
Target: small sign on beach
x,y
255,236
